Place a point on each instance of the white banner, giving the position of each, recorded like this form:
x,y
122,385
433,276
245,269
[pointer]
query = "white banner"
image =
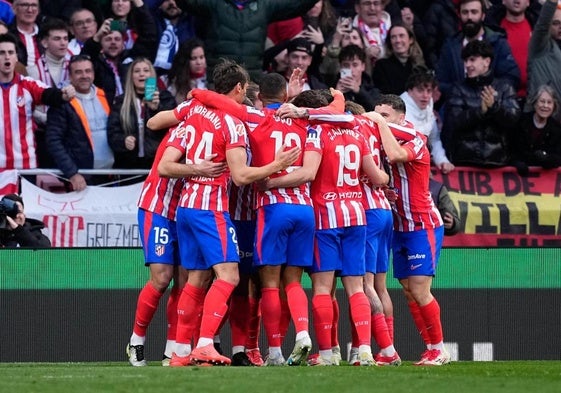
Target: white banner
x,y
94,217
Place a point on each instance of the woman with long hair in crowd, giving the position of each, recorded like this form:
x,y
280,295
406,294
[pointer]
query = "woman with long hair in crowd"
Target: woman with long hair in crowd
x,y
403,53
133,143
188,70
538,140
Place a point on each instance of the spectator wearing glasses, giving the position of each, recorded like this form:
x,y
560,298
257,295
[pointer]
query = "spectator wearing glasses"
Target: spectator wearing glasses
x,y
374,23
25,28
77,131
544,52
83,26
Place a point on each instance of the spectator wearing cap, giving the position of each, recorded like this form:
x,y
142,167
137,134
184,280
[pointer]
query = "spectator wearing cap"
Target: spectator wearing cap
x,y
19,231
481,112
299,55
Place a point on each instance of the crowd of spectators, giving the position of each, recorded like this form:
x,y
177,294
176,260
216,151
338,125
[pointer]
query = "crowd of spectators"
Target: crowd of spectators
x,y
76,74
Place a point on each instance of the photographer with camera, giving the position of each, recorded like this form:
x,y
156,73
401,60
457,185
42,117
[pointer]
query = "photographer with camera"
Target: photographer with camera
x,y
15,229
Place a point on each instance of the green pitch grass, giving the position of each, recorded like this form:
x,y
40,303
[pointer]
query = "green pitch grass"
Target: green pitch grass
x,y
458,377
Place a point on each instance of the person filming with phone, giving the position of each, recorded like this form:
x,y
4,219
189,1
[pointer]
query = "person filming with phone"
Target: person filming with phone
x,y
133,143
111,58
355,84
16,230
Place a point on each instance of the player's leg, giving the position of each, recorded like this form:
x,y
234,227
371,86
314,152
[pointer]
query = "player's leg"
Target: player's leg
x,y
238,315
300,255
159,245
254,322
179,280
353,268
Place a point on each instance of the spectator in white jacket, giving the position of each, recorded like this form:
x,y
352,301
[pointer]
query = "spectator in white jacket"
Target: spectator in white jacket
x,y
418,99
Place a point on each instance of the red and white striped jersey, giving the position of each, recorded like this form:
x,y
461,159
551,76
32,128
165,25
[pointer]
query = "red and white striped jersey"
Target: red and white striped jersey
x,y
414,208
208,132
182,110
17,139
373,197
268,133
336,191
159,194
242,198
242,202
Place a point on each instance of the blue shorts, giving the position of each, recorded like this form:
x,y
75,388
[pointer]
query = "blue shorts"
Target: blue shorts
x,y
379,230
285,234
207,238
340,250
246,238
416,253
158,235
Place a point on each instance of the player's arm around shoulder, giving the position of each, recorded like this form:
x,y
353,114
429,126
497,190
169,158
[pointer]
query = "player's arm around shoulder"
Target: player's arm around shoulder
x,y
242,174
306,173
393,150
170,165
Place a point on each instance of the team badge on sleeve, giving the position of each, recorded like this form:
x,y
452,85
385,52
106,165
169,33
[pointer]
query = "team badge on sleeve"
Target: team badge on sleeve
x,y
159,250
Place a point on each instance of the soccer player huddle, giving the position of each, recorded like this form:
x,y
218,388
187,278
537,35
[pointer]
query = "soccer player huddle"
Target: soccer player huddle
x,y
241,201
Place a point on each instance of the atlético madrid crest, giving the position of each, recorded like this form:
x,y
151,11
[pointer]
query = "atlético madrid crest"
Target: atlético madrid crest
x,y
160,250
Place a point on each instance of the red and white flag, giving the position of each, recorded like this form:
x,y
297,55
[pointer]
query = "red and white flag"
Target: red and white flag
x,y
8,182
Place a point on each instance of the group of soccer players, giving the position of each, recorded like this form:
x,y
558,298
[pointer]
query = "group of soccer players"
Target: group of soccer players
x,y
286,189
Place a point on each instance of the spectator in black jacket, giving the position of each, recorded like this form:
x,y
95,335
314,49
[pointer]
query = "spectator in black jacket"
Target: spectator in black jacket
x,y
111,60
481,112
538,140
441,20
354,83
16,229
391,73
77,131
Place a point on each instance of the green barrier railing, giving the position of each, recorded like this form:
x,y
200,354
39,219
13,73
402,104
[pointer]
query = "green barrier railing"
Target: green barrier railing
x,y
123,268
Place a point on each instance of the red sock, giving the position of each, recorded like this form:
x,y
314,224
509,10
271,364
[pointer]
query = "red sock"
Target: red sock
x,y
239,318
171,312
146,306
284,319
380,331
252,339
189,308
354,335
419,322
360,314
298,305
389,323
271,310
215,307
322,309
431,316
335,326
